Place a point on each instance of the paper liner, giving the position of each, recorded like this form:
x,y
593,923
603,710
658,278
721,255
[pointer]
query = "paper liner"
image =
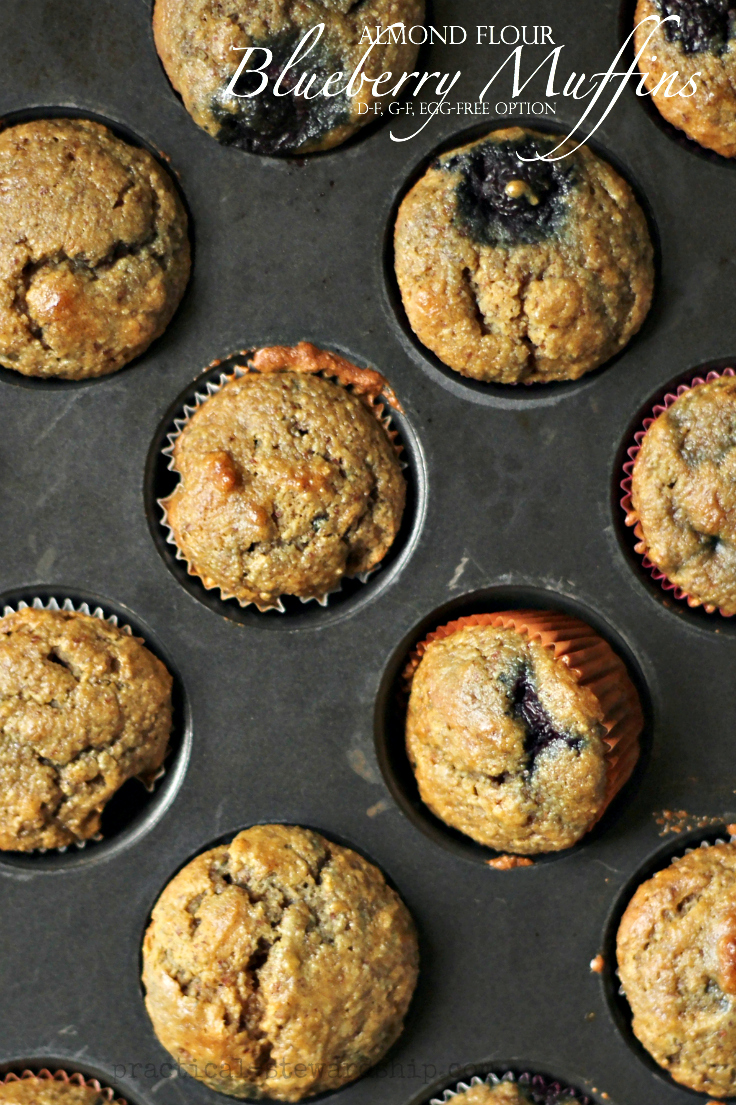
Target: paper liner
x,y
366,383
62,1076
544,1091
591,661
632,518
149,782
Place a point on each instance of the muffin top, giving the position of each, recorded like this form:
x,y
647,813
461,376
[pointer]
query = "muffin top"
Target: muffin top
x,y
505,744
83,707
201,44
699,47
683,490
46,1091
282,962
94,253
509,1093
516,269
677,963
288,483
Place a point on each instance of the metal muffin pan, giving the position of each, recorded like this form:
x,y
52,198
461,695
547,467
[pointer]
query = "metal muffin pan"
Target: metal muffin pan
x,y
521,489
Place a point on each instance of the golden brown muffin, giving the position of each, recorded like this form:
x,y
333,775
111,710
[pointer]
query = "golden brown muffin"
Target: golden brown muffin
x,y
46,1091
700,50
83,708
201,45
683,493
94,253
288,483
523,271
279,965
508,745
677,963
507,1093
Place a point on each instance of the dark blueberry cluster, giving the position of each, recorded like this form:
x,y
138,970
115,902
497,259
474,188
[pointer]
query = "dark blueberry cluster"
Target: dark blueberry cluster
x,y
540,730
279,125
502,200
705,25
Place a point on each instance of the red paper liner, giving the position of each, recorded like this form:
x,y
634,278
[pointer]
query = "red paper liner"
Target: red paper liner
x,y
632,518
593,664
62,1076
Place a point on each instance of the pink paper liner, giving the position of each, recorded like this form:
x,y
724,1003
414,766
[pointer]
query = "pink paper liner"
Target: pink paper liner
x,y
632,518
61,1076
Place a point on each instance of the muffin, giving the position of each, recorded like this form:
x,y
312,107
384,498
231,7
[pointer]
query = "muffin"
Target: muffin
x,y
279,965
520,729
677,962
289,481
40,1090
683,493
83,708
516,269
511,1093
94,252
699,48
201,45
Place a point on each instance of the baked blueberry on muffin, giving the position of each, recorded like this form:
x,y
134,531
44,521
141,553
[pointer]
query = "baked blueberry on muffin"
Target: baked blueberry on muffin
x,y
289,481
201,44
677,962
683,493
83,708
517,269
94,252
520,729
697,43
279,965
52,1091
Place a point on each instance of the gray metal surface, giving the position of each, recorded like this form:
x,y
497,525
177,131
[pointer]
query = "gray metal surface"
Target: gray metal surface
x,y
277,713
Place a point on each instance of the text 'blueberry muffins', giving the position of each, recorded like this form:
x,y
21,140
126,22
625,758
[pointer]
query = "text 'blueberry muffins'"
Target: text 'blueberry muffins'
x,y
279,965
521,728
94,251
516,269
694,54
84,707
201,44
676,952
59,1089
289,481
683,493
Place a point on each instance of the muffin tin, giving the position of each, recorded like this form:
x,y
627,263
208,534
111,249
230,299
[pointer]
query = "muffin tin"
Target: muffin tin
x,y
292,717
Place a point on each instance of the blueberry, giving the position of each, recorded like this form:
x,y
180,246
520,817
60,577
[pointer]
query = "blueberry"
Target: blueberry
x,y
280,125
705,25
540,730
502,200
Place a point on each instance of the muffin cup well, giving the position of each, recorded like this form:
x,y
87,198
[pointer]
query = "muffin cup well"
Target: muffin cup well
x,y
62,1076
632,518
150,781
366,383
544,1090
591,661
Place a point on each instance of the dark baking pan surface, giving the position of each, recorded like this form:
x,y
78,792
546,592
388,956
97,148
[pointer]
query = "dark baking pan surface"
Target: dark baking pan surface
x,y
283,718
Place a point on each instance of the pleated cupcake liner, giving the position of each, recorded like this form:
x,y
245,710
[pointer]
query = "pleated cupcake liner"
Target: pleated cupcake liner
x,y
366,383
112,619
543,1090
632,518
593,664
76,1079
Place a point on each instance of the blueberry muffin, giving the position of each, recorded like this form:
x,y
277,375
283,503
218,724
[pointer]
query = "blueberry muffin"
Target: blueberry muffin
x,y
508,743
511,1093
83,708
700,49
516,269
289,481
48,1091
677,962
279,965
683,493
94,252
201,44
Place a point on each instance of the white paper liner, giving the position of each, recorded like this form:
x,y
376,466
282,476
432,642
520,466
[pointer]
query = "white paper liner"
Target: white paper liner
x,y
525,1080
45,1075
112,619
201,397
